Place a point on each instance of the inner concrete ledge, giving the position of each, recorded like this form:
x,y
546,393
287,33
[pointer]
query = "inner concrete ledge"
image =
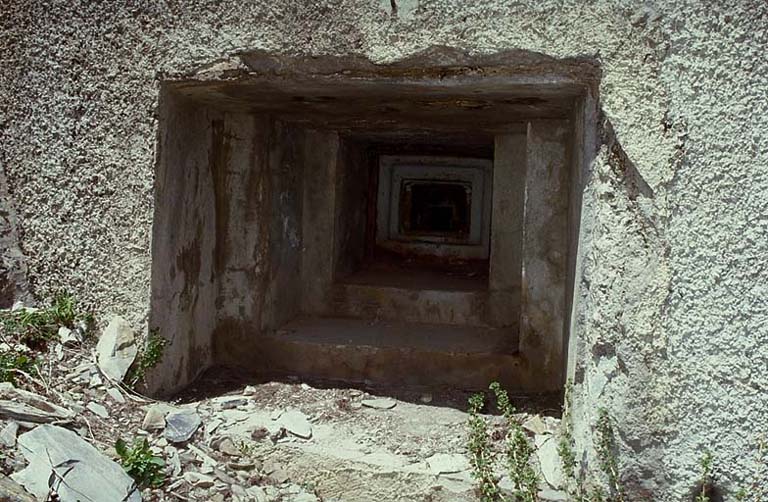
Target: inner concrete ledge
x,y
266,253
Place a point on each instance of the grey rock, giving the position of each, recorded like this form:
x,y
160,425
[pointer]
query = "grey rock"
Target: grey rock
x,y
199,480
68,337
553,496
11,491
155,417
535,425
445,463
549,460
25,406
97,409
116,395
296,423
116,349
379,404
88,473
8,434
181,425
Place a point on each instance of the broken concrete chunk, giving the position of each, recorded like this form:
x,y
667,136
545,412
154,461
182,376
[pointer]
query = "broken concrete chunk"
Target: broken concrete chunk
x,y
181,425
25,406
296,423
116,349
379,404
87,473
8,434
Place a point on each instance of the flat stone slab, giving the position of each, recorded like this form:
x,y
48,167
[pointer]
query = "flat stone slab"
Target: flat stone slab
x,y
116,349
379,404
447,463
25,406
296,423
181,425
88,474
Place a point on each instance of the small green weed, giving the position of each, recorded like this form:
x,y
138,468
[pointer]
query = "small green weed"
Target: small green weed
x,y
141,464
12,361
606,452
480,454
706,477
36,327
518,450
149,357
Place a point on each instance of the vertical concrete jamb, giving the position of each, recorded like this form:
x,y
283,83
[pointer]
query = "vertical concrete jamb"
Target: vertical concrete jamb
x,y
506,260
545,250
319,219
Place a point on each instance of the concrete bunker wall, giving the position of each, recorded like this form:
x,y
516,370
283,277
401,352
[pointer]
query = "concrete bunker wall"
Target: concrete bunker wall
x,y
264,209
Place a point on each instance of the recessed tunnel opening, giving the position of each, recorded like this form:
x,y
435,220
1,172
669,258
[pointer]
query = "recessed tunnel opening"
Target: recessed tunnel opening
x,y
384,228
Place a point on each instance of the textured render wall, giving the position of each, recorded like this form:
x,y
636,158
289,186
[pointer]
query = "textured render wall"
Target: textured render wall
x,y
670,311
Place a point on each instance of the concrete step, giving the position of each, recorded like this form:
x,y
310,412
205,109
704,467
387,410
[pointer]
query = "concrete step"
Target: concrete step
x,y
395,303
394,353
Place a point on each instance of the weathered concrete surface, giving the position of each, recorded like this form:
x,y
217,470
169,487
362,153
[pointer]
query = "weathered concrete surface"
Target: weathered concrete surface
x,y
669,312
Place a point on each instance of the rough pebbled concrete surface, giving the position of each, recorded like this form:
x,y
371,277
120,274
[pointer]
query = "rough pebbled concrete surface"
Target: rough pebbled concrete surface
x,y
670,309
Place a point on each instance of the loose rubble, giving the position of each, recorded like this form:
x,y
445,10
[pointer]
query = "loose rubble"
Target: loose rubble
x,y
286,442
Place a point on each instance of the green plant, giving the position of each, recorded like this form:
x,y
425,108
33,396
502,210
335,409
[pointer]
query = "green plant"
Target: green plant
x,y
606,452
149,357
480,455
36,327
141,464
11,362
518,450
706,477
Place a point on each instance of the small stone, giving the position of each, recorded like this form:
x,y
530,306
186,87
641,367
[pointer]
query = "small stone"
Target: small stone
x,y
426,398
279,476
198,480
25,406
68,337
233,402
227,447
155,417
116,395
296,423
8,434
116,349
553,496
249,390
535,424
549,460
181,425
257,493
445,463
97,409
379,404
95,381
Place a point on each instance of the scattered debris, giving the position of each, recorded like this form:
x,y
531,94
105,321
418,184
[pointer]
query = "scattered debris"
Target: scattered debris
x,y
59,459
116,349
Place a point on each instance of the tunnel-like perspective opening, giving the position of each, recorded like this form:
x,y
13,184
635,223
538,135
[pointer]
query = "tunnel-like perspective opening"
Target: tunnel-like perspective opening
x,y
374,224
